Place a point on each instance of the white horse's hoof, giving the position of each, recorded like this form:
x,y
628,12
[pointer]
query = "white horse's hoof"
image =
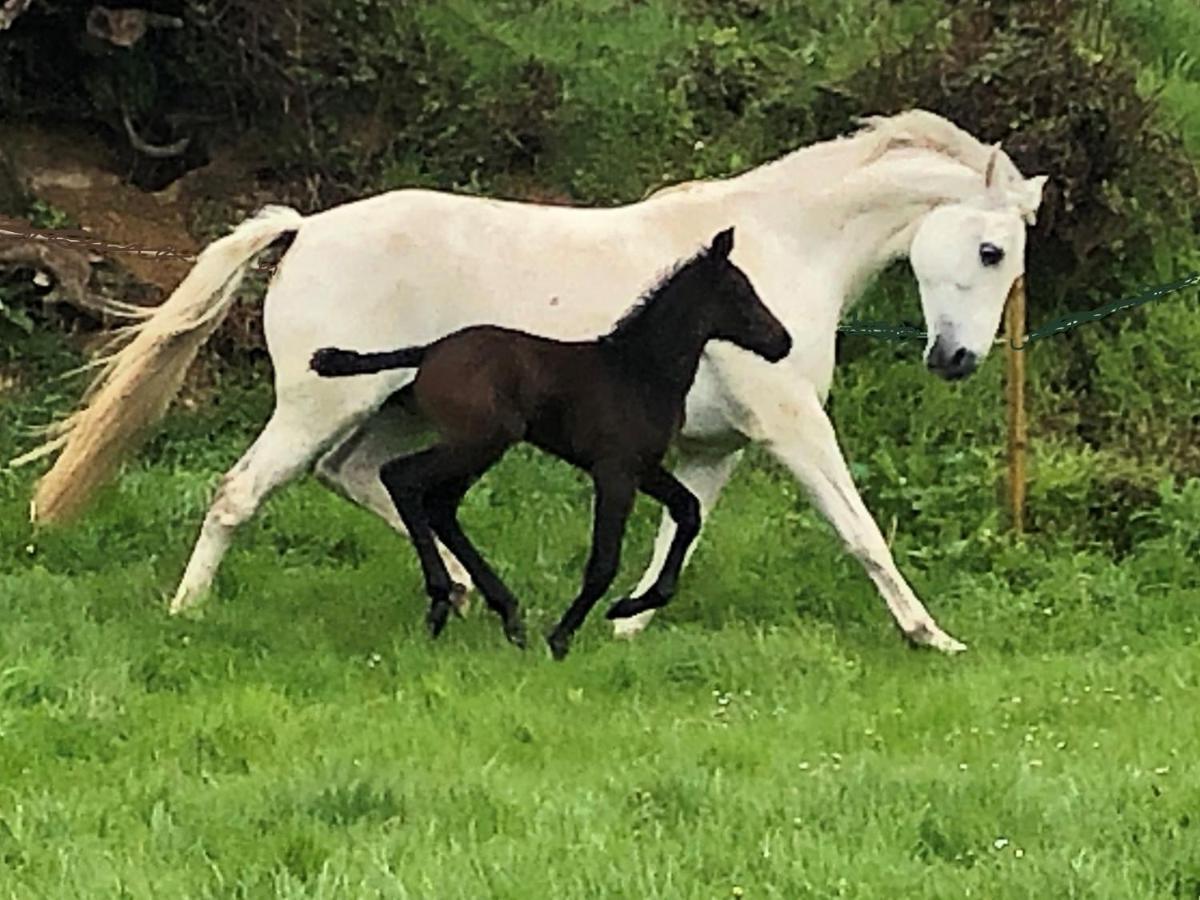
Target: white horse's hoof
x,y
927,634
460,599
630,628
182,602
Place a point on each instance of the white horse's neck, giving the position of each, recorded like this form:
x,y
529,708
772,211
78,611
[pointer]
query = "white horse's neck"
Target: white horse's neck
x,y
850,215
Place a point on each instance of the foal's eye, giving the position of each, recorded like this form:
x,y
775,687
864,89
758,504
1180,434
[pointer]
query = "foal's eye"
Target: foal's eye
x,y
990,254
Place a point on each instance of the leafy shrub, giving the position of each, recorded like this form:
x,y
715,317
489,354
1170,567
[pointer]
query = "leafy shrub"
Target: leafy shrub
x,y
1062,94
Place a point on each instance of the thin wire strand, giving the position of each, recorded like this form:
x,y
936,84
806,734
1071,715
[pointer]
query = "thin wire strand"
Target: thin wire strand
x,y
1056,326
884,330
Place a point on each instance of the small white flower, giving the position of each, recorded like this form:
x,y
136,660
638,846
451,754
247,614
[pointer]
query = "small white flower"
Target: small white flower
x,y
1000,843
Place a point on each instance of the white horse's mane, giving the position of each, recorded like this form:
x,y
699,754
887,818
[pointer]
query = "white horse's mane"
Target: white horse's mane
x,y
921,129
916,129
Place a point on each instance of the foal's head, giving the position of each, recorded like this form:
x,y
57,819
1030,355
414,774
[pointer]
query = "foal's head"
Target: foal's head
x,y
735,311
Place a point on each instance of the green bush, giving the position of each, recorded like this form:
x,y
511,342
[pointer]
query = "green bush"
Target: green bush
x,y
1062,94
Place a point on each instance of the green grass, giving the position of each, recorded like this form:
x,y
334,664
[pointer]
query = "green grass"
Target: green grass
x,y
770,733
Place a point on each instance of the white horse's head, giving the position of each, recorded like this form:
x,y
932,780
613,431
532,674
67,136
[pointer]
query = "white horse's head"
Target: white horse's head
x,y
966,256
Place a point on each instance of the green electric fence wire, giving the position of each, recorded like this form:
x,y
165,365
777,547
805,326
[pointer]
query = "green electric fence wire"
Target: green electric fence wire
x,y
891,332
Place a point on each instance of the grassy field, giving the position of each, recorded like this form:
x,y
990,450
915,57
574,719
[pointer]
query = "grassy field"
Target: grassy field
x,y
770,736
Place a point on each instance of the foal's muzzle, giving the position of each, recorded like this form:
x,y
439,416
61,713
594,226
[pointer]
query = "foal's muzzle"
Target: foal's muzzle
x,y
778,347
950,363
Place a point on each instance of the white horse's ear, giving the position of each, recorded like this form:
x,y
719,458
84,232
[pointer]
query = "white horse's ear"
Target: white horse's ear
x,y
989,176
1031,197
994,176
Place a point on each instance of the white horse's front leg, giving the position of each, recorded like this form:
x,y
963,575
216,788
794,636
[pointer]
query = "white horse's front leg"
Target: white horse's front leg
x,y
796,430
704,474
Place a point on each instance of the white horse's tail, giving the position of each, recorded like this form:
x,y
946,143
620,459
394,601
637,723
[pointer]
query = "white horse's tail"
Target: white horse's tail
x,y
136,383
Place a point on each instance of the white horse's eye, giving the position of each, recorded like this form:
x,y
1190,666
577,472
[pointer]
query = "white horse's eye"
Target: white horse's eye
x,y
990,254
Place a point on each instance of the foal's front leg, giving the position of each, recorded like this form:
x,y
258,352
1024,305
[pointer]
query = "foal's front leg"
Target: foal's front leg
x,y
684,508
615,489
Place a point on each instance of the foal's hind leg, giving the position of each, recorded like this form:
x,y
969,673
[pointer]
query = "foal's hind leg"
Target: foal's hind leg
x,y
441,505
351,470
615,491
407,481
684,508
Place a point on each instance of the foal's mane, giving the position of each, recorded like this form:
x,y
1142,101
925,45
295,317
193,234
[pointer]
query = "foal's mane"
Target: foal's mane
x,y
646,300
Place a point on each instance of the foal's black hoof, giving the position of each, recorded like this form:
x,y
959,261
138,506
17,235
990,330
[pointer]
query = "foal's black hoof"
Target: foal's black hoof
x,y
560,644
631,606
515,632
624,608
435,619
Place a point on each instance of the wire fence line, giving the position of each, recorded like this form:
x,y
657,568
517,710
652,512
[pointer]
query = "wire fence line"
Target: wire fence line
x,y
888,331
82,239
884,330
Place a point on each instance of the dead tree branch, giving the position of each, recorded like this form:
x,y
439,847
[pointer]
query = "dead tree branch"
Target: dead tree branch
x,y
10,9
70,268
143,146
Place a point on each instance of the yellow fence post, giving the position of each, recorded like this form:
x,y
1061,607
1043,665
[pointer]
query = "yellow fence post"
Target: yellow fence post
x,y
1018,438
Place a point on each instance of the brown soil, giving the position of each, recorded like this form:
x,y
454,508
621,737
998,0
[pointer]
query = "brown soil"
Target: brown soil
x,y
75,172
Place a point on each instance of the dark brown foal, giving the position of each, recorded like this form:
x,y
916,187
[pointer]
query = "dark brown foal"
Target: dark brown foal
x,y
610,407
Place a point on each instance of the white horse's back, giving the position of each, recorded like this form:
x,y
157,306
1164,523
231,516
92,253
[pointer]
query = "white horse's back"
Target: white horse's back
x,y
409,266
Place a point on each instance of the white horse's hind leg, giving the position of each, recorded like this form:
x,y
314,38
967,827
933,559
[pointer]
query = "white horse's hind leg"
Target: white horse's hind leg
x,y
284,449
351,470
704,474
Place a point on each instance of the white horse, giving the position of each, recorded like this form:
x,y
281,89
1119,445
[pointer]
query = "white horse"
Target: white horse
x,y
409,266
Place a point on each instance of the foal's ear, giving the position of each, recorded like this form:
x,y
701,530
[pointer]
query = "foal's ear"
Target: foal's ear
x,y
722,245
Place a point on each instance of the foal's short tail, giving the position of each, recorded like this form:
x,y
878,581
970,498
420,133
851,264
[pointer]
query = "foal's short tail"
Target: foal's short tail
x,y
330,362
137,382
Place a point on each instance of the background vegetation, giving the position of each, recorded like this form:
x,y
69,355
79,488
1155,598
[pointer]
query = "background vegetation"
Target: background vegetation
x,y
769,734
